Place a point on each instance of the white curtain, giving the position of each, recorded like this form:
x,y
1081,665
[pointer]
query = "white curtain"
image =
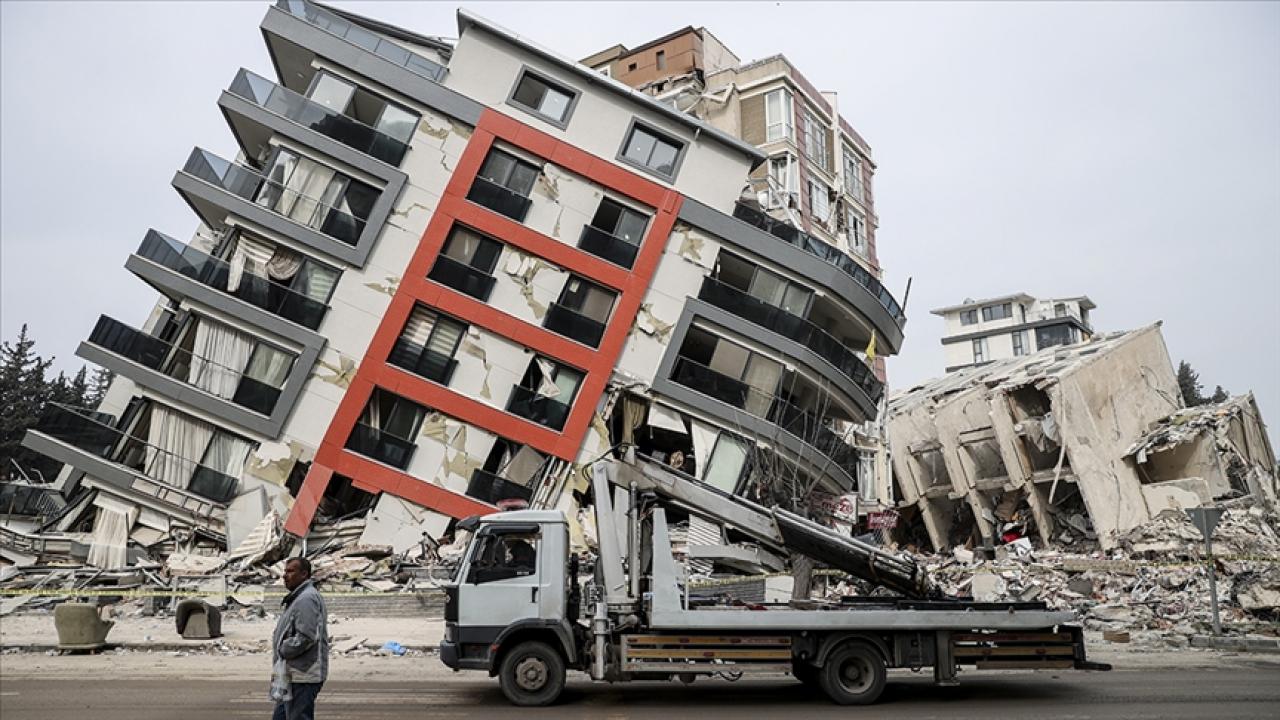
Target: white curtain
x,y
175,442
704,438
547,386
226,454
218,357
418,329
269,366
284,264
249,256
309,182
317,282
110,540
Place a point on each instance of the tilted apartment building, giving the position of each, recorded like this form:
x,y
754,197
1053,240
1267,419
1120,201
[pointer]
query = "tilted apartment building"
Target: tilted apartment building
x,y
441,275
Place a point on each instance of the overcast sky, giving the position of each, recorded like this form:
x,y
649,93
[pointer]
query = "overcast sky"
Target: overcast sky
x,y
1128,152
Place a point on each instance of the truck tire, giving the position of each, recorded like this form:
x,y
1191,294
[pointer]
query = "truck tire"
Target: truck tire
x,y
532,674
853,675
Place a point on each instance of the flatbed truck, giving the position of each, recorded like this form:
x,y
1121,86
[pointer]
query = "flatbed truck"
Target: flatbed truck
x,y
514,608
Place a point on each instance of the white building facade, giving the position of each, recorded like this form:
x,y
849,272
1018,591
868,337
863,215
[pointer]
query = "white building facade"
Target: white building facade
x,y
978,332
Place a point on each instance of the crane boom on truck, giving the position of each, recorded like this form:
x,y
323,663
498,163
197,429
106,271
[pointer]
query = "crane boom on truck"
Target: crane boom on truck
x,y
514,605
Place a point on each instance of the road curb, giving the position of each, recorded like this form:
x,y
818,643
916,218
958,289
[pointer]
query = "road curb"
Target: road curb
x,y
1237,644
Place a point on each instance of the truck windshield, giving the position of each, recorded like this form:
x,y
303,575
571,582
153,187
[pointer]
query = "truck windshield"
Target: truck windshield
x,y
504,556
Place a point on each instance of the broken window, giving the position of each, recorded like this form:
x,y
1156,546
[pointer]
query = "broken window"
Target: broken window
x,y
510,472
581,311
783,181
387,428
778,115
931,466
652,150
427,344
1052,335
1037,429
466,263
545,393
543,97
985,455
341,500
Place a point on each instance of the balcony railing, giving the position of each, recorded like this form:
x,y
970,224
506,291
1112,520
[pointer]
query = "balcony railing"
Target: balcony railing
x,y
381,446
804,424
418,360
607,246
493,489
89,431
827,253
156,354
499,199
795,328
360,37
573,325
326,121
462,277
245,182
209,271
528,404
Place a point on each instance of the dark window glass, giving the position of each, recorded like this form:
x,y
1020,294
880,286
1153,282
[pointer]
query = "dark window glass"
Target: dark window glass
x,y
504,169
543,98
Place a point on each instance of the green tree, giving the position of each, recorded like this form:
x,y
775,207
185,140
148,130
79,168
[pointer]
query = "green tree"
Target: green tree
x,y
23,392
1189,384
98,385
1219,395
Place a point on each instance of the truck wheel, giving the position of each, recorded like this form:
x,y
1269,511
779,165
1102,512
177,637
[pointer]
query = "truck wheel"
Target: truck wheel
x,y
853,675
805,673
532,674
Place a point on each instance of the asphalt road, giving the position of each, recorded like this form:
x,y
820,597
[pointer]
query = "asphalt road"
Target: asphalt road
x,y
1157,694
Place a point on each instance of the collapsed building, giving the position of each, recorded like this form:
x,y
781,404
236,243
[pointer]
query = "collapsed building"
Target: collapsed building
x,y
1072,443
443,276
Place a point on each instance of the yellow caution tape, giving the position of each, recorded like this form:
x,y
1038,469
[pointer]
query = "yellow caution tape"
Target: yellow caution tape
x,y
107,592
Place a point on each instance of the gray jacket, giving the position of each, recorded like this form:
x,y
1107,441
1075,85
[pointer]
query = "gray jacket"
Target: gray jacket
x,y
302,635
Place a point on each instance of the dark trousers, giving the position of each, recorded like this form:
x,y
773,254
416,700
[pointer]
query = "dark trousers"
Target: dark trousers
x,y
303,704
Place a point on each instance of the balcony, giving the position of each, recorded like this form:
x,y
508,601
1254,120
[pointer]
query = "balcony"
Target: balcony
x,y
314,116
546,411
434,366
462,277
573,325
362,38
499,199
493,489
214,273
90,433
252,186
793,327
696,376
607,246
155,354
381,446
826,253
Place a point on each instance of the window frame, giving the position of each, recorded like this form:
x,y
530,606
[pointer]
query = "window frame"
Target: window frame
x,y
980,350
553,84
638,124
787,123
826,199
1019,342
971,313
852,183
813,127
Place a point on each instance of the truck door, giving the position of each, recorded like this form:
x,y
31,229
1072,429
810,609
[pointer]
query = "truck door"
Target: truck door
x,y
502,581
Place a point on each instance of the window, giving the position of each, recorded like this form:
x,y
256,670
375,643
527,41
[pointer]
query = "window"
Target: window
x,y
387,428
614,233
1055,335
545,393
1019,343
852,173
763,284
857,229
783,173
389,119
652,151
466,263
316,196
727,371
815,141
276,278
819,201
660,59
427,344
263,379
631,67
997,312
1060,310
504,184
725,465
581,312
543,97
778,116
980,350
969,317
504,556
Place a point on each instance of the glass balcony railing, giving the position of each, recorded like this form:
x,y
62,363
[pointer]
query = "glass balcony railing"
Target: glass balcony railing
x,y
209,271
462,277
528,404
418,360
314,116
499,199
795,328
381,446
360,37
573,325
827,253
92,433
245,182
493,489
152,352
804,424
607,246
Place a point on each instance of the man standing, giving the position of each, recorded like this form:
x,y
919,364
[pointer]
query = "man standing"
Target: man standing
x,y
301,638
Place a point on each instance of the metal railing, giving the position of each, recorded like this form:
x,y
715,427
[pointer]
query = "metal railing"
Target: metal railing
x,y
152,352
825,252
90,432
462,277
362,38
528,404
493,489
607,246
806,425
381,446
249,184
209,271
573,325
312,115
418,360
793,327
499,198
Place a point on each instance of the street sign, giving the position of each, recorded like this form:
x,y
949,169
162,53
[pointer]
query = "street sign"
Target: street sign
x,y
886,520
1205,519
